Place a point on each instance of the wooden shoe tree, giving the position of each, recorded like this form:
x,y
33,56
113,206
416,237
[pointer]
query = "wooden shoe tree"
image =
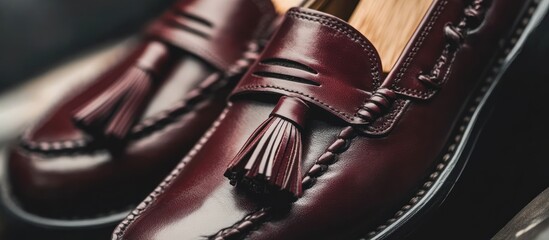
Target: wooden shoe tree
x,y
388,24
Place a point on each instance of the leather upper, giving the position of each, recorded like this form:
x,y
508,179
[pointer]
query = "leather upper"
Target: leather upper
x,y
60,171
226,42
352,181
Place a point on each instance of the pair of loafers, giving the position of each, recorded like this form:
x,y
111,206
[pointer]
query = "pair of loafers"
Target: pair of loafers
x,y
303,137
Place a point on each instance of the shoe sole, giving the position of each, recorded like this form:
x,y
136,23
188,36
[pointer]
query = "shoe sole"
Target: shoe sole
x,y
448,170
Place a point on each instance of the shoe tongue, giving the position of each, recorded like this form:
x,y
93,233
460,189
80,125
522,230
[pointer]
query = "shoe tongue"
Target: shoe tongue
x,y
320,57
329,45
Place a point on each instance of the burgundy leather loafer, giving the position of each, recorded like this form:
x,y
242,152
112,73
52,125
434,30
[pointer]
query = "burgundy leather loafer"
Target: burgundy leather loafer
x,y
321,146
106,147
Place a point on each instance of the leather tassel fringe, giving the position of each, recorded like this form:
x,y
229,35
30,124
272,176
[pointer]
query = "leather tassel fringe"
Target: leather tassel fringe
x,y
270,161
111,115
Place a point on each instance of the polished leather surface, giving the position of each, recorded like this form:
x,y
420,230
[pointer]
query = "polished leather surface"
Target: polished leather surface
x,y
371,178
65,173
299,74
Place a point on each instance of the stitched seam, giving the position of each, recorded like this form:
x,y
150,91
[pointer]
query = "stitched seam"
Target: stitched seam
x,y
407,62
121,228
54,146
414,51
449,70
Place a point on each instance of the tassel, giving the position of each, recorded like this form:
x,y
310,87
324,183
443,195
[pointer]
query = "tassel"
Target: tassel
x,y
111,115
270,161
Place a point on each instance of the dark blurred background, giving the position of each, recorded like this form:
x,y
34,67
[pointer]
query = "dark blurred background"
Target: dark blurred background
x,y
508,167
37,34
